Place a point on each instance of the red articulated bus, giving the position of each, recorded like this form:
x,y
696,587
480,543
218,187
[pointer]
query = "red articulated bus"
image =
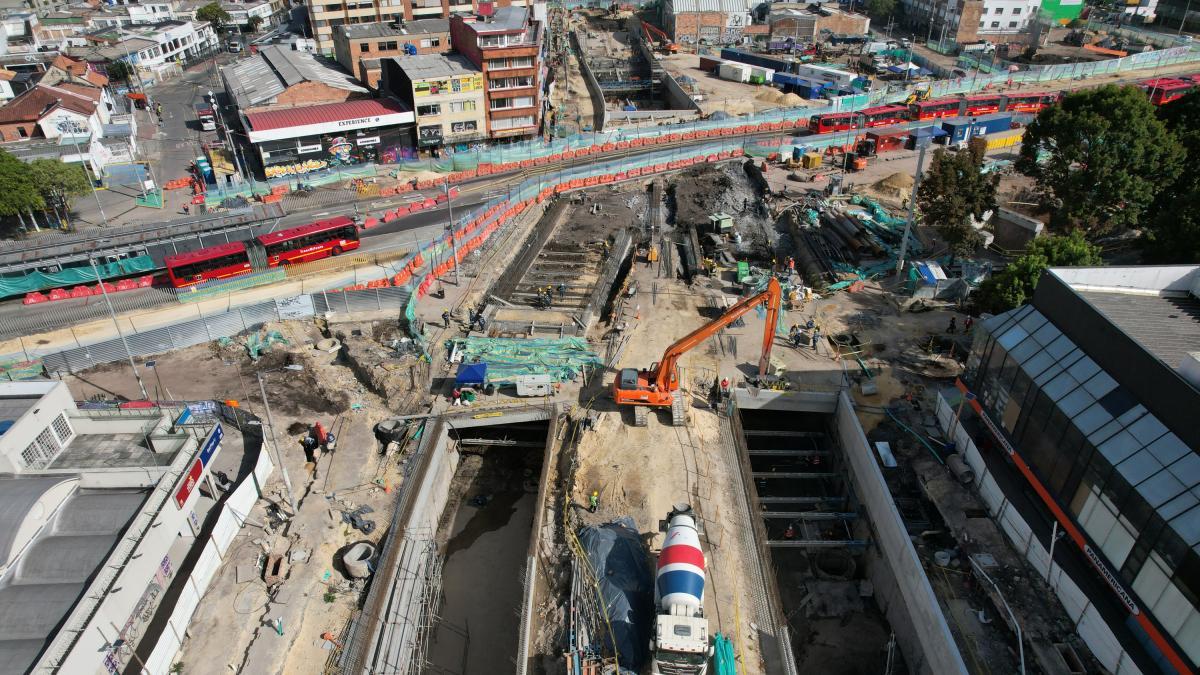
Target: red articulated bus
x,y
310,242
936,109
1030,103
981,105
830,122
1166,89
214,262
302,244
884,115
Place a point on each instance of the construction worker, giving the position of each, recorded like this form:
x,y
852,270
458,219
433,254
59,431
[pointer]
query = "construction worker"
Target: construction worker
x,y
724,388
446,318
562,290
816,338
456,396
967,325
594,501
953,327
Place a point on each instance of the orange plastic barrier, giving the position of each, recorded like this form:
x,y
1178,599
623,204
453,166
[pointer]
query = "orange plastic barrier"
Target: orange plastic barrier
x,y
81,292
33,298
634,173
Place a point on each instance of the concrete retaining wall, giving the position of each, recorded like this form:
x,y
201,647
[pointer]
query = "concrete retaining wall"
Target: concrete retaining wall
x,y
594,91
912,603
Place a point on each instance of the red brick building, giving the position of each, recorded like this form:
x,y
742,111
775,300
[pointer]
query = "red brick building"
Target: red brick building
x,y
359,48
507,47
710,22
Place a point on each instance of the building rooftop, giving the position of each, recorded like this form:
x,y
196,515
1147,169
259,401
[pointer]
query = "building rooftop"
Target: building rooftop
x,y
725,6
323,114
110,451
259,79
426,66
505,19
1158,307
33,104
385,29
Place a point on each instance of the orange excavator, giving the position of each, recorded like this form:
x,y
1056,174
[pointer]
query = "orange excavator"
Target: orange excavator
x,y
657,386
665,45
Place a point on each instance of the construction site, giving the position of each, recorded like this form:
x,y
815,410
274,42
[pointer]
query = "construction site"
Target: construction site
x,y
700,374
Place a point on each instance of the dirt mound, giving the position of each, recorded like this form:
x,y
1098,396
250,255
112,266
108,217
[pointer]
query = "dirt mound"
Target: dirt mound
x,y
791,100
770,96
896,181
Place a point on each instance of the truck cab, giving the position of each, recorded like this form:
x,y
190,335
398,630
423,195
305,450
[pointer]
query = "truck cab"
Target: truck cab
x,y
681,645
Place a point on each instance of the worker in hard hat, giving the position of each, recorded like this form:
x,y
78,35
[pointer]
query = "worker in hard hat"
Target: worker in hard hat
x,y
594,501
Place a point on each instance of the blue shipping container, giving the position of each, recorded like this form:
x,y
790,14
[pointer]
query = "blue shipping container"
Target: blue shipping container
x,y
990,124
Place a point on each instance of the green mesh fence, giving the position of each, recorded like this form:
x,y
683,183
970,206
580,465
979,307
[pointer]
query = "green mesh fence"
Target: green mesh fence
x,y
70,276
563,359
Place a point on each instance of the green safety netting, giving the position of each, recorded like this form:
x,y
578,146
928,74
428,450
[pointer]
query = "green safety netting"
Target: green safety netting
x,y
35,281
256,344
15,371
562,359
724,659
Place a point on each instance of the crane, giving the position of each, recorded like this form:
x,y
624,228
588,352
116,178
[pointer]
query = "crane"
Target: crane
x,y
664,41
656,386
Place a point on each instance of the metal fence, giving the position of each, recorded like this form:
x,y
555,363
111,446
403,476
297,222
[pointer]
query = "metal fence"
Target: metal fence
x,y
23,320
225,324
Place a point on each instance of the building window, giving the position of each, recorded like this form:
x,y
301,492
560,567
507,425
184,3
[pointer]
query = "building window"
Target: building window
x,y
999,10
493,41
431,109
388,46
1012,24
1016,10
62,429
995,24
431,42
510,82
514,102
366,47
512,123
461,106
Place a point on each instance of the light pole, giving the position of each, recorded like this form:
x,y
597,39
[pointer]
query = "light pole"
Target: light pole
x,y
922,144
103,291
1183,19
67,126
287,481
450,229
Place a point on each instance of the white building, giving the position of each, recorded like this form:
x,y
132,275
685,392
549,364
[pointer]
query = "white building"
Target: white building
x,y
240,13
98,511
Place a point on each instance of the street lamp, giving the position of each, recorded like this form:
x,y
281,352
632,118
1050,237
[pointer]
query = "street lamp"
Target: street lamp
x,y
287,481
129,354
65,127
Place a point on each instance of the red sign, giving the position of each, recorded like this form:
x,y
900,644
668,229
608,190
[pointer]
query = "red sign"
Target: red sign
x,y
189,483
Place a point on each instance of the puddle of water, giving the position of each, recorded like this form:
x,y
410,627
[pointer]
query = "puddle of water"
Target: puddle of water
x,y
482,585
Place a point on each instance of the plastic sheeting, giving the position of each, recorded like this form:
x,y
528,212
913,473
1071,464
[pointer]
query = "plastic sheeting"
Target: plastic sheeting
x,y
618,561
561,358
70,276
724,660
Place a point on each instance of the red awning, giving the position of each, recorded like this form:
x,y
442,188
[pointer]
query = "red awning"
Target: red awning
x,y
323,114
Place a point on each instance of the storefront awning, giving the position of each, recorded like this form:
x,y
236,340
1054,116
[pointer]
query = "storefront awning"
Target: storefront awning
x,y
277,125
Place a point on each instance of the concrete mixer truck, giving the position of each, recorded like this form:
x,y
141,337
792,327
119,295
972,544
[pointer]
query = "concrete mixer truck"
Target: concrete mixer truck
x,y
681,643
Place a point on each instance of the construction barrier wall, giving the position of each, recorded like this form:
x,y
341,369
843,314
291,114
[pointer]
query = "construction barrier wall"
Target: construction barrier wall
x,y
1089,625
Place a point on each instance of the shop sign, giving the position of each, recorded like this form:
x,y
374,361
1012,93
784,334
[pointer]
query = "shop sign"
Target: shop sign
x,y
211,445
189,483
367,140
296,169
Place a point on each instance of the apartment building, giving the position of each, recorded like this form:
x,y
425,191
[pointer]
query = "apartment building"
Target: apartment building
x,y
326,15
445,92
947,22
1085,422
506,45
361,48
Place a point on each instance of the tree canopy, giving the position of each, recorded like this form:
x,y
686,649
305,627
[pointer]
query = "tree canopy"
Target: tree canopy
x,y
59,183
1172,232
881,8
1014,285
214,14
19,193
1099,158
118,71
954,190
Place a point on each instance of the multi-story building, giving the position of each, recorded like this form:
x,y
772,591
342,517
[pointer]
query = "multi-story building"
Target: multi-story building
x,y
326,15
807,25
1086,425
361,48
706,21
150,46
446,94
243,14
507,47
948,22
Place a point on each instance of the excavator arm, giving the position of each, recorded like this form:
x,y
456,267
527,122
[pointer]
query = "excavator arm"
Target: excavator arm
x,y
664,372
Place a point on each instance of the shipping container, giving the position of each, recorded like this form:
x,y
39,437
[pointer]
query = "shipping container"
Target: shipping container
x,y
842,78
735,72
764,74
760,60
990,124
708,64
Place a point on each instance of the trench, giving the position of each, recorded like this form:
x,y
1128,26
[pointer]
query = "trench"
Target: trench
x,y
816,534
485,532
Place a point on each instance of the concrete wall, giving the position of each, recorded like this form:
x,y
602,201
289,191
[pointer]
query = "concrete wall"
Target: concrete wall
x,y
594,92
910,602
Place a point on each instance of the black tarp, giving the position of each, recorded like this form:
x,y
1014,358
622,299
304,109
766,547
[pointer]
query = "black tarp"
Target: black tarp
x,y
620,563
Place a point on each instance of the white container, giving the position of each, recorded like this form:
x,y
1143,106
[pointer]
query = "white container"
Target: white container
x,y
734,72
535,385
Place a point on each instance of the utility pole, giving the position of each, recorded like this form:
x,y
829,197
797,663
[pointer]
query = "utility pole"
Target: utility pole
x,y
129,354
922,143
65,127
287,481
450,229
1183,19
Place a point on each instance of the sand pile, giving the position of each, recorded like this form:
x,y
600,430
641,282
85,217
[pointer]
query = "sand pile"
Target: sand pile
x,y
770,96
897,185
791,100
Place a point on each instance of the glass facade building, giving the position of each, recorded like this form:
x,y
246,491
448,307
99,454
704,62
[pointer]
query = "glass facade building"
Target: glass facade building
x,y
1077,392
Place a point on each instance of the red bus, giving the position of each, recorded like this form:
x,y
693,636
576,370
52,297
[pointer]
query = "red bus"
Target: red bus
x,y
981,105
1029,103
830,122
884,115
1166,89
214,262
932,110
310,242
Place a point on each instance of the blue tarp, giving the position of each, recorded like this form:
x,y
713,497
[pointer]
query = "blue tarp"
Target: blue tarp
x,y
618,561
470,374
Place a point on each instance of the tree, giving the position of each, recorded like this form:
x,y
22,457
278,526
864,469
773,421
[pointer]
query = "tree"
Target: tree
x,y
215,15
1099,158
118,71
59,183
1173,232
1014,285
881,8
19,195
954,190
254,23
